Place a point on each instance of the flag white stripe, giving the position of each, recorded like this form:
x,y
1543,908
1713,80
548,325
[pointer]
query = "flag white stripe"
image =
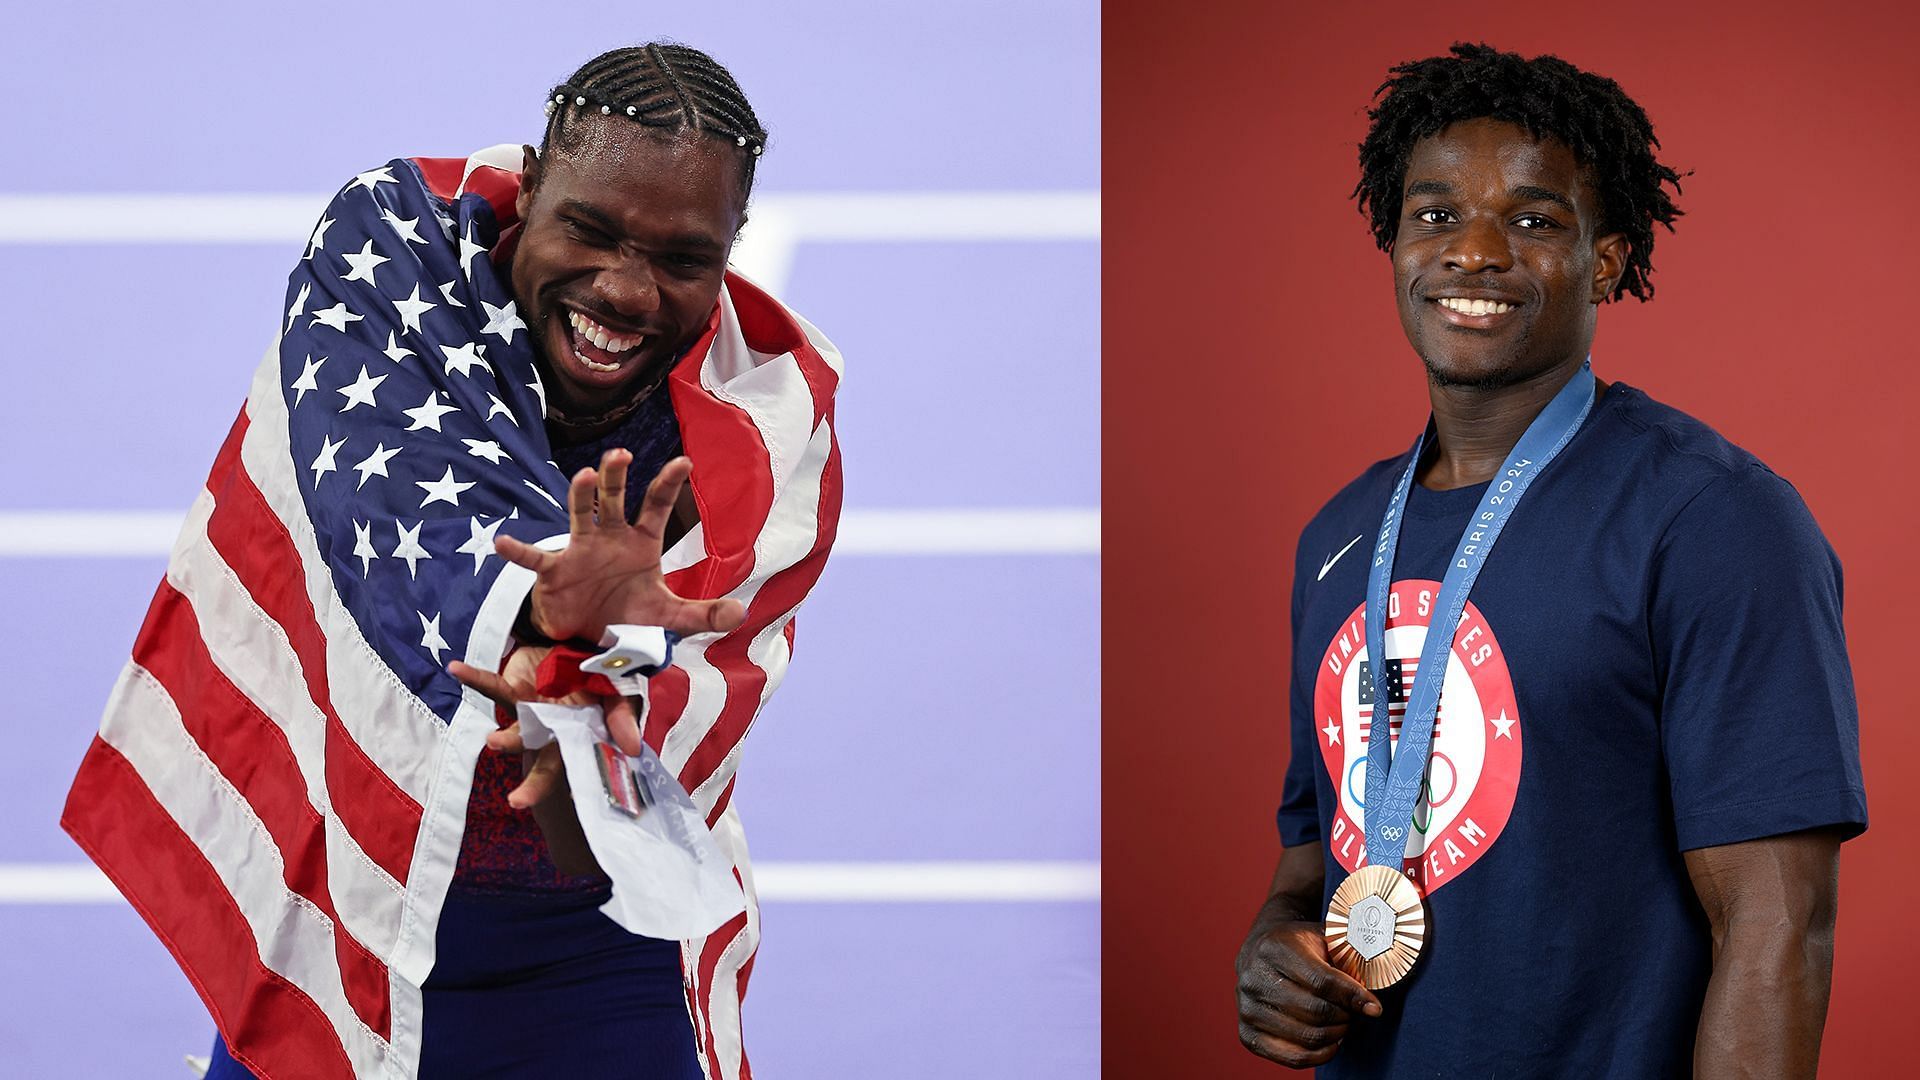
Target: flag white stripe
x,y
781,882
387,721
254,654
296,940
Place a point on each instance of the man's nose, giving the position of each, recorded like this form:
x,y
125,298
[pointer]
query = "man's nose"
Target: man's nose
x,y
1479,244
629,288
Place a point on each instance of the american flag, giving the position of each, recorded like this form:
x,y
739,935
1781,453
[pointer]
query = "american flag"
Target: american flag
x,y
281,777
1399,679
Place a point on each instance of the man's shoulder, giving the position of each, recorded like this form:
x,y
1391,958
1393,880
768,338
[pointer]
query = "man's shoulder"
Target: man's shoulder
x,y
1660,434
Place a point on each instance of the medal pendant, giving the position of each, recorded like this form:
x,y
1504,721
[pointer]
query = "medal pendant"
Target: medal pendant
x,y
1376,926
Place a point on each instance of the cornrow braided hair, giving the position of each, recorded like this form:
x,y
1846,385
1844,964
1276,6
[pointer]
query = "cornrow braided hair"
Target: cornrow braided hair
x,y
1608,133
659,85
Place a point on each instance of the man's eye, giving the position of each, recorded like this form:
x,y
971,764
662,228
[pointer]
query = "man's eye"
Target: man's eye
x,y
1433,215
586,234
1534,221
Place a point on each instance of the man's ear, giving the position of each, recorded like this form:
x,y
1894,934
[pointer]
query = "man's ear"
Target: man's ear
x,y
1610,254
529,179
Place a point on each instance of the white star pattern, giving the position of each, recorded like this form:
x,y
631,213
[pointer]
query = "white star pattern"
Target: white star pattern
x,y
1332,732
306,382
446,489
430,638
465,358
364,264
336,316
375,464
469,249
299,303
500,409
542,492
446,292
485,448
381,175
428,413
501,321
409,547
480,543
361,390
395,351
323,464
412,308
363,546
540,390
315,242
403,226
1503,727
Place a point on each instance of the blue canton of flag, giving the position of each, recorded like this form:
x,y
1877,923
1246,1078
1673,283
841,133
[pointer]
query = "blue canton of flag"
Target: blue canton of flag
x,y
415,416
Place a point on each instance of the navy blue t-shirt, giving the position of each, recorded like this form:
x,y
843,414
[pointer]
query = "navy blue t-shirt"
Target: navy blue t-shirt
x,y
1652,661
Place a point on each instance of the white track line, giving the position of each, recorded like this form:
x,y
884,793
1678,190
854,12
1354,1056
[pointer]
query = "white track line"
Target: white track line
x,y
779,882
987,531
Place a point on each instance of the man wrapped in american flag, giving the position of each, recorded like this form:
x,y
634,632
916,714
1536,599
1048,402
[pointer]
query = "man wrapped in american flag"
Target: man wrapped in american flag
x,y
289,783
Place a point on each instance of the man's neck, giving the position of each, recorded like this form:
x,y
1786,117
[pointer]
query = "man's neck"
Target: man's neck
x,y
1476,427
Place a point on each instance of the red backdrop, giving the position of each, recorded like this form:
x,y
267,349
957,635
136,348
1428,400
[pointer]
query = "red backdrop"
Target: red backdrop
x,y
1250,332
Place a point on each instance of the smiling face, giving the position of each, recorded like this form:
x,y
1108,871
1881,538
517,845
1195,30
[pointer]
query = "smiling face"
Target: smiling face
x,y
1499,264
623,248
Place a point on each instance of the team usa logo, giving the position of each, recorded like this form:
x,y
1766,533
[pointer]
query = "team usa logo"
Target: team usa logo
x,y
1474,768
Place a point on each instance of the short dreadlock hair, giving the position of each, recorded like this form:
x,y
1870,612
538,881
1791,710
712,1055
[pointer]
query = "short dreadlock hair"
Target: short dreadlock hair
x,y
1608,133
659,85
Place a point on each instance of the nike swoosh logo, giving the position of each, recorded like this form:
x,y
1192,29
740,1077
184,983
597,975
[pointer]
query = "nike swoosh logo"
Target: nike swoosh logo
x,y
1335,557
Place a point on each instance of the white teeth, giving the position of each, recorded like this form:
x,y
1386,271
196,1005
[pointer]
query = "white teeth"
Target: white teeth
x,y
1474,307
592,365
601,337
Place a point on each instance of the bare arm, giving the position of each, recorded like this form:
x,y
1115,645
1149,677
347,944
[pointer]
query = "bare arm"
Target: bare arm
x,y
1294,1006
1771,904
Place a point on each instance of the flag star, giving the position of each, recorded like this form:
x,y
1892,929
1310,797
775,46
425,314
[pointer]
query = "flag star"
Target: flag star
x,y
466,358
299,303
446,489
447,292
1332,732
364,263
1503,727
468,249
409,547
500,407
412,308
446,223
542,492
361,391
324,463
375,463
336,316
539,388
363,546
403,226
306,382
485,448
480,543
501,321
430,638
315,242
428,413
381,175
395,351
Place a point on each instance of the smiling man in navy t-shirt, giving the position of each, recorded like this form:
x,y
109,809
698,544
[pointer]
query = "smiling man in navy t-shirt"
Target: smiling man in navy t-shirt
x,y
1646,752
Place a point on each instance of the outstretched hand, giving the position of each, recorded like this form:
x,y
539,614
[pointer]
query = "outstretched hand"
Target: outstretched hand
x,y
610,571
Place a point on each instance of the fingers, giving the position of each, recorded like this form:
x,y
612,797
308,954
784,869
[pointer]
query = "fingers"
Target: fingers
x,y
496,688
662,493
612,490
701,616
507,739
624,725
1310,989
580,495
544,776
1294,1056
522,553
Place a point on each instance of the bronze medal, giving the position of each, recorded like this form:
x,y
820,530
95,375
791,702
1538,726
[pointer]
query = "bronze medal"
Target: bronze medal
x,y
1376,925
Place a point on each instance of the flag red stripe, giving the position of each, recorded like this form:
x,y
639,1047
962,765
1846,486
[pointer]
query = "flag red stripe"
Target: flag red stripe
x,y
253,754
129,835
731,478
778,596
770,328
716,943
255,545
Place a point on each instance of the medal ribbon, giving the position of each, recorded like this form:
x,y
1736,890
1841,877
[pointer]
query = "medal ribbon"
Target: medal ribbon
x,y
1393,779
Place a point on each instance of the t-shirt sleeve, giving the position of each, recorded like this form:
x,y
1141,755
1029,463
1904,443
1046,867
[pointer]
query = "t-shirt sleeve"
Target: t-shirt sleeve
x,y
1758,720
1299,813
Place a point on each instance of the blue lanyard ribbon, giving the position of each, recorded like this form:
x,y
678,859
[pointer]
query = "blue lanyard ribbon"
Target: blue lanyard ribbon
x,y
1393,778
